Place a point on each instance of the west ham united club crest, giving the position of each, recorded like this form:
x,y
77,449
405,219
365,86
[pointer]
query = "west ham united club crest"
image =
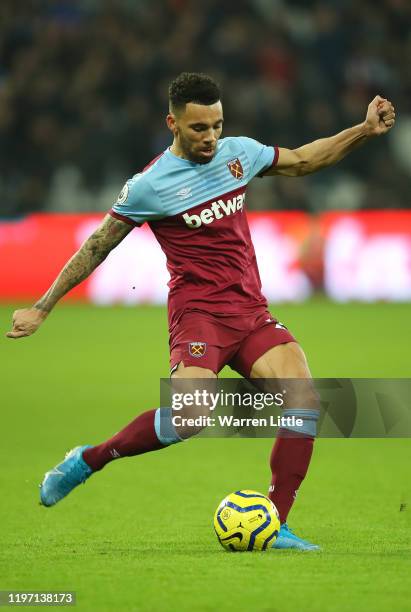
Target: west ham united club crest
x,y
197,349
236,168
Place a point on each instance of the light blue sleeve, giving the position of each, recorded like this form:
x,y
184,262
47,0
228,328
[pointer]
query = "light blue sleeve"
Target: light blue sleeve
x,y
137,202
260,157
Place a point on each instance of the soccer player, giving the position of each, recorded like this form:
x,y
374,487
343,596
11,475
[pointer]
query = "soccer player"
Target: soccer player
x,y
193,198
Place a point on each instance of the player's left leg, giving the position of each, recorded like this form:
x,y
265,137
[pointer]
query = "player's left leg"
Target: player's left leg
x,y
139,436
150,431
291,454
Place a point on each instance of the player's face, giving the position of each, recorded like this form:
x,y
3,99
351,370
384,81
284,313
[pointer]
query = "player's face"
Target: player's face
x,y
196,131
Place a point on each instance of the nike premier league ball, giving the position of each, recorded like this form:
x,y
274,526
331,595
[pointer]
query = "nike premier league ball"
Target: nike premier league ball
x,y
245,521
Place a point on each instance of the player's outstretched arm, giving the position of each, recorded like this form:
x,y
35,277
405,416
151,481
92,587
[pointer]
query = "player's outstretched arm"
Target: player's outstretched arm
x,y
327,151
94,250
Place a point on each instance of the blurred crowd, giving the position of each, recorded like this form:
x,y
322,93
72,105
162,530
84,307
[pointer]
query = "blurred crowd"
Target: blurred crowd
x,y
83,93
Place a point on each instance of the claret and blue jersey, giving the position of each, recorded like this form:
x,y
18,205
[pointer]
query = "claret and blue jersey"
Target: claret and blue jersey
x,y
196,212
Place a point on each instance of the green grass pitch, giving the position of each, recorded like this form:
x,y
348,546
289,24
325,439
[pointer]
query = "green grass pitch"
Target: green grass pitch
x,y
139,535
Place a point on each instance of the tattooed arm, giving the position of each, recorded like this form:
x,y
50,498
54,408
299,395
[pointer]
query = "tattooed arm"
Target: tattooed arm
x,y
94,250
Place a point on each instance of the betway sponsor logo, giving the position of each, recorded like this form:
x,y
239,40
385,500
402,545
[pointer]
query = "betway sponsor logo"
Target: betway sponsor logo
x,y
217,210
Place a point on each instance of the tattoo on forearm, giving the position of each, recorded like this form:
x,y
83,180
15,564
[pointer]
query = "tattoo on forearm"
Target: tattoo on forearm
x,y
95,249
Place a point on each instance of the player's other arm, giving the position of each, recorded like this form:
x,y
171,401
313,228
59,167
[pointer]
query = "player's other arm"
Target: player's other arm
x,y
90,255
328,151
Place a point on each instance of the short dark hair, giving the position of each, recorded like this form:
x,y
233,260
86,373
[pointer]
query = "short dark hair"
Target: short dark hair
x,y
193,87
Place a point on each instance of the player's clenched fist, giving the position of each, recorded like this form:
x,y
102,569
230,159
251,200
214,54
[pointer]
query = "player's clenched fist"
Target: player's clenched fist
x,y
26,321
380,116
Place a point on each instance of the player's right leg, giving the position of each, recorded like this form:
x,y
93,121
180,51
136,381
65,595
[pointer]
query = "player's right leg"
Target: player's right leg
x,y
151,430
291,454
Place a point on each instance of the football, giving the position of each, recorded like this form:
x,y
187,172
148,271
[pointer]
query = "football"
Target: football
x,y
246,520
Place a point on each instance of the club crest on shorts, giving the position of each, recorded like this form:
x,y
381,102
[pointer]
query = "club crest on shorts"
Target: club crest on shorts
x,y
197,349
236,168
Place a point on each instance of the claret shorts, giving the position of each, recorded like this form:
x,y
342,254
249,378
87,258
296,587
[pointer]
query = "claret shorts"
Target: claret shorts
x,y
211,342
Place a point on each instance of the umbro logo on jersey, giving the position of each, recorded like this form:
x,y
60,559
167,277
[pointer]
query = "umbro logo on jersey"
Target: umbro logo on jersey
x,y
236,168
184,193
217,210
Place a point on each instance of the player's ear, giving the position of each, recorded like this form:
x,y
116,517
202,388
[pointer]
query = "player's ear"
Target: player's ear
x,y
171,123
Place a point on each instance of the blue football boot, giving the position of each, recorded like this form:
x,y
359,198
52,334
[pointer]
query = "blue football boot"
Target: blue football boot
x,y
288,540
58,482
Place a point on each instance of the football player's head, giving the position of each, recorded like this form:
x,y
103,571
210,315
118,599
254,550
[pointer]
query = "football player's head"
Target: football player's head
x,y
195,116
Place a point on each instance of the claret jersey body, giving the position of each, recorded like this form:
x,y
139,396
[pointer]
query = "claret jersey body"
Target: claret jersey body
x,y
197,213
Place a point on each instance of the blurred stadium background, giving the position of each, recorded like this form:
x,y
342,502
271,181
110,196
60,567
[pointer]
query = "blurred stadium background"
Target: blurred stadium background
x,y
83,95
84,92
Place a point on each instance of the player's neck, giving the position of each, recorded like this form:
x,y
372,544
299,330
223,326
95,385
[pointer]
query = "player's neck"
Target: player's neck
x,y
177,151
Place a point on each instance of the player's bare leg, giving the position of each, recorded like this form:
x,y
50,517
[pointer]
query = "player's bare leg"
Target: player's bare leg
x,y
185,380
192,372
282,361
291,454
149,431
